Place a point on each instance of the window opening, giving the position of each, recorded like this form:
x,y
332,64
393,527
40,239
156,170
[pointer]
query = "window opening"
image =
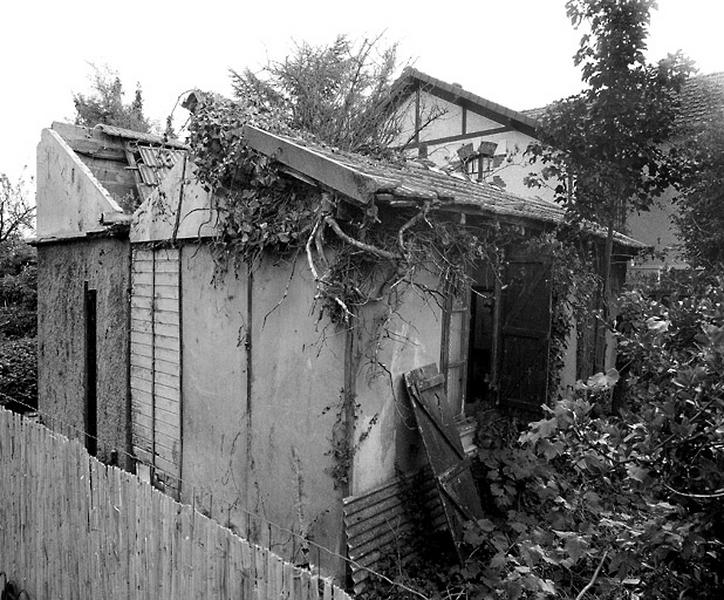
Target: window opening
x,y
91,370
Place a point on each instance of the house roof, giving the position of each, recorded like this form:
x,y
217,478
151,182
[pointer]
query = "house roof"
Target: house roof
x,y
701,96
403,182
411,77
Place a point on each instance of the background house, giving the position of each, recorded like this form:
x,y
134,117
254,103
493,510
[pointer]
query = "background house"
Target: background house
x,y
471,134
461,131
702,99
223,388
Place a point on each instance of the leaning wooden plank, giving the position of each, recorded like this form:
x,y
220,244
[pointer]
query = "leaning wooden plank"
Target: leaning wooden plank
x,y
435,421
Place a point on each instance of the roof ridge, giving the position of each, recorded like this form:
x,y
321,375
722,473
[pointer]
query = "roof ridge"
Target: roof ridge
x,y
457,89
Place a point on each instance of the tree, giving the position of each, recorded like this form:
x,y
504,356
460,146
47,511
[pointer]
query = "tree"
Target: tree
x,y
16,213
342,92
105,105
18,372
604,146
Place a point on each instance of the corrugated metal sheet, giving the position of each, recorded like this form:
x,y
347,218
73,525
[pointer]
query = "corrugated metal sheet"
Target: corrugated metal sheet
x,y
156,364
148,175
154,162
384,522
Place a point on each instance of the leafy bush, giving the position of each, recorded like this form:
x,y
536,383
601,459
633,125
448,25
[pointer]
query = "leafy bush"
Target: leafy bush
x,y
18,297
18,374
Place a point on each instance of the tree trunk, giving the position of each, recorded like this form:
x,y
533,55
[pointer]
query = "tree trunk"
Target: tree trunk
x,y
605,300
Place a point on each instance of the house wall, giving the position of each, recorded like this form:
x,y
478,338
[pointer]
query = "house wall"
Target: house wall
x,y
449,121
270,453
655,228
510,165
62,270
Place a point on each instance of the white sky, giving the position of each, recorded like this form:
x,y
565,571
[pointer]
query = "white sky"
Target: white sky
x,y
515,52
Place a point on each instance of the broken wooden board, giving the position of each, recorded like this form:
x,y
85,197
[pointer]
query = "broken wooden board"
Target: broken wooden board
x,y
436,423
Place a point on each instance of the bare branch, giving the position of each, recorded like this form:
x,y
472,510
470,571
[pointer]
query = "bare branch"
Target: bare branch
x,y
712,496
310,258
589,585
357,244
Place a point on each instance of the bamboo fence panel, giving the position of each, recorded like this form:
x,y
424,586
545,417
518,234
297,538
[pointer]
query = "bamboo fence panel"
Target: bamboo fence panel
x,y
72,527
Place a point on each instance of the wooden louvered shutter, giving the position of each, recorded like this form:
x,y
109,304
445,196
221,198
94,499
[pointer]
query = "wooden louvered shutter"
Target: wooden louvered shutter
x,y
156,364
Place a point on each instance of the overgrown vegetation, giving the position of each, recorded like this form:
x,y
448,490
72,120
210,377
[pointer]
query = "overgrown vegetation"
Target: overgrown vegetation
x,y
626,504
341,93
700,218
18,298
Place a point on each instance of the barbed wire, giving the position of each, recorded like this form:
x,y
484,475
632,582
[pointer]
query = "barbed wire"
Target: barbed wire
x,y
230,506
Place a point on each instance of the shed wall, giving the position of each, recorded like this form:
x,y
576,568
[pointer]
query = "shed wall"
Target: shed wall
x,y
214,438
297,381
63,268
270,453
392,443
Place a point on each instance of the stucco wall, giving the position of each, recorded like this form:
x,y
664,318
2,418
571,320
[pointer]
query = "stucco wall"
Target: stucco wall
x,y
270,455
70,199
298,376
214,387
655,228
63,268
384,416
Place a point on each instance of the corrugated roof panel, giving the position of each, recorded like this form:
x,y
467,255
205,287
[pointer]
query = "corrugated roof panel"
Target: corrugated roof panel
x,y
148,156
380,522
148,174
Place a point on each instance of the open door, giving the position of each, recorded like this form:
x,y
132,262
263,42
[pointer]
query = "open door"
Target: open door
x,y
525,322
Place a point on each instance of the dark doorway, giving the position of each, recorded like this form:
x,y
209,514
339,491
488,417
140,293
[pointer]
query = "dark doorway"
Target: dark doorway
x,y
91,366
480,345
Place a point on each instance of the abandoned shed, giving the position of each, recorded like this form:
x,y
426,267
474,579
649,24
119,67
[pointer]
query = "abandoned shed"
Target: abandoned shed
x,y
225,386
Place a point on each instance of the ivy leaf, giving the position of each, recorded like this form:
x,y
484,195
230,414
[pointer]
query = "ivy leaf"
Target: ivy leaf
x,y
637,473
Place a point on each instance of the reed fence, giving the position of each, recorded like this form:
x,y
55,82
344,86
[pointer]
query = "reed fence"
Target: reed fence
x,y
74,528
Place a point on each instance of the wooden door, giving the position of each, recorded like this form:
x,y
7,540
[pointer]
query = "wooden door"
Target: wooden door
x,y
525,322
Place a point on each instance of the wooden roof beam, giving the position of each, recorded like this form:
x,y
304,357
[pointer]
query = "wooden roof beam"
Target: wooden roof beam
x,y
306,161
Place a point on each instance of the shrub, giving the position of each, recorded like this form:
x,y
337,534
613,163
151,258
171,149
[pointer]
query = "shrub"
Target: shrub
x,y
18,374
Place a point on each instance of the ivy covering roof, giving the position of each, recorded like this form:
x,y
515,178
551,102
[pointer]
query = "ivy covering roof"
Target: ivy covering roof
x,y
401,182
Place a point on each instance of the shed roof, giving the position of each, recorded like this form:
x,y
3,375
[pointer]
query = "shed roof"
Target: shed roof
x,y
364,179
139,136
